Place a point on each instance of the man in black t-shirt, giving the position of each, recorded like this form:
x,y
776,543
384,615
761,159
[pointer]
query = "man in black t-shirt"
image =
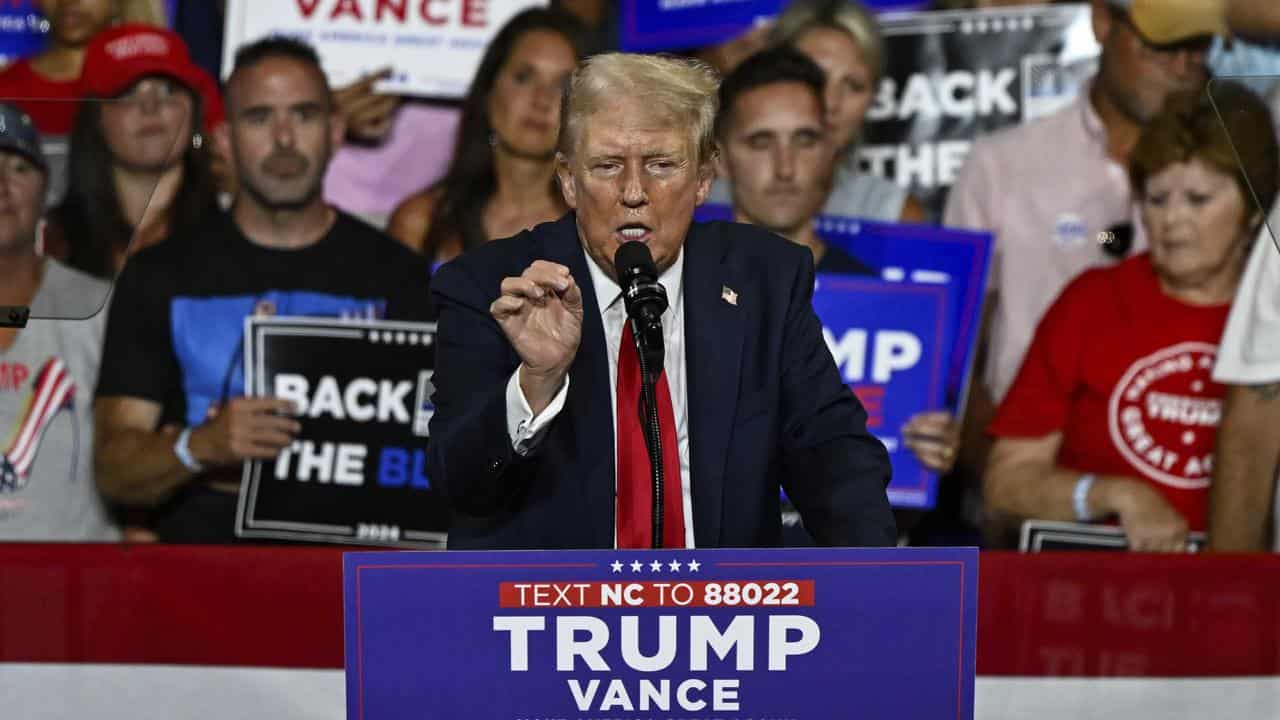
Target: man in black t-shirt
x,y
174,426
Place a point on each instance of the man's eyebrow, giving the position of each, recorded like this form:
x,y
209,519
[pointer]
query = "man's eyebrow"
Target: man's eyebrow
x,y
307,105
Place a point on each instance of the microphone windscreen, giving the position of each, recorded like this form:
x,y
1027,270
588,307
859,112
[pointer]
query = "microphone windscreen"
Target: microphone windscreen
x,y
633,258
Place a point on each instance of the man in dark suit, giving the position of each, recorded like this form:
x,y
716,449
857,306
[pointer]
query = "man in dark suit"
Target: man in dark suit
x,y
534,358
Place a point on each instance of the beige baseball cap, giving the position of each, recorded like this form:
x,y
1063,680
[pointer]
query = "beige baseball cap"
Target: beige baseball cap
x,y
1164,22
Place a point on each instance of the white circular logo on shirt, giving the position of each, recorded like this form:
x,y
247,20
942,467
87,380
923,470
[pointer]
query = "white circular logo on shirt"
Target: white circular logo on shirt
x,y
1160,413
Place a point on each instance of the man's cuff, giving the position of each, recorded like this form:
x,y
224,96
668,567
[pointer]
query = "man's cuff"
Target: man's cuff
x,y
524,429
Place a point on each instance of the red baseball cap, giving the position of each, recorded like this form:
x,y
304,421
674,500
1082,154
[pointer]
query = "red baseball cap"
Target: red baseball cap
x,y
119,56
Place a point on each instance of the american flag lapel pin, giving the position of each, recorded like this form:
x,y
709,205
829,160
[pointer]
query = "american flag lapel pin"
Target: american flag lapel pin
x,y
729,295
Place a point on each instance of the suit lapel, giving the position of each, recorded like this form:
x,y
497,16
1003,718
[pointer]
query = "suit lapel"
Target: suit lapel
x,y
713,333
588,404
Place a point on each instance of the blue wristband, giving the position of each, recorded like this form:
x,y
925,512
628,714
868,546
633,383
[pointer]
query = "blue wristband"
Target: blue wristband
x,y
183,451
1081,497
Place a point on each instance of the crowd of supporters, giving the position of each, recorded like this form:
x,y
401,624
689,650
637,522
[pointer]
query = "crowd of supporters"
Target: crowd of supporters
x,y
273,193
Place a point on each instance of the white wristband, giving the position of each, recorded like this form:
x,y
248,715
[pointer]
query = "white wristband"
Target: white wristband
x,y
183,451
1081,497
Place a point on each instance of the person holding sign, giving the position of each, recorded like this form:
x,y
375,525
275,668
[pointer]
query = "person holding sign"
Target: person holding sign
x,y
537,371
502,177
1114,413
778,158
173,426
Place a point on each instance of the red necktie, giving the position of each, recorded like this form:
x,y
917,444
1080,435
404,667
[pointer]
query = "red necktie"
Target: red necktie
x,y
635,481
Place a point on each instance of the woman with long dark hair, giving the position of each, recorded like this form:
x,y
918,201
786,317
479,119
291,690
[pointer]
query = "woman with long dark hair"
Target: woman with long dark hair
x,y
502,176
138,165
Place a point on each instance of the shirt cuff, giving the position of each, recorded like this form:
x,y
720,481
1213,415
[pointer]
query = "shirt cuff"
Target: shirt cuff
x,y
526,431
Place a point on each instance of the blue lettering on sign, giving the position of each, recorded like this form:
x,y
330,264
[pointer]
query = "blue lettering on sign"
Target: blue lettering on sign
x,y
399,467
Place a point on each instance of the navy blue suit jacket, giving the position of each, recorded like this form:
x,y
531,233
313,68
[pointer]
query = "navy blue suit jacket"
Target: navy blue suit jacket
x,y
766,405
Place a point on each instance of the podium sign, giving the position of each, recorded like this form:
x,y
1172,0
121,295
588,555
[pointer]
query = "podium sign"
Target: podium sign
x,y
806,634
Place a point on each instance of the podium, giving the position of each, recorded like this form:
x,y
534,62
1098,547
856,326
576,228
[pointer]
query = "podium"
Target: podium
x,y
796,634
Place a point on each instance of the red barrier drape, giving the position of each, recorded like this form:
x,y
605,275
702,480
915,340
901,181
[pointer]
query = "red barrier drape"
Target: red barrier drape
x,y
1091,614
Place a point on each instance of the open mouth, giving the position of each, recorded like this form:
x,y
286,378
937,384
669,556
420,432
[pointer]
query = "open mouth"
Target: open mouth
x,y
635,231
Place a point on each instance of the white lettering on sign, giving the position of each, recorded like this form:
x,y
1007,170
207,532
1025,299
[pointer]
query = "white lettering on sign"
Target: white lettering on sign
x,y
581,641
922,165
470,13
958,94
362,400
892,351
337,463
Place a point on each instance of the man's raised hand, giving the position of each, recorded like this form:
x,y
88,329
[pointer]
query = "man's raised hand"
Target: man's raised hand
x,y
540,312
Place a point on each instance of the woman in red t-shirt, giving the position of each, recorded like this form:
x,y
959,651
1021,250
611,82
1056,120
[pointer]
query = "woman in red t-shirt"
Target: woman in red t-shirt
x,y
1114,412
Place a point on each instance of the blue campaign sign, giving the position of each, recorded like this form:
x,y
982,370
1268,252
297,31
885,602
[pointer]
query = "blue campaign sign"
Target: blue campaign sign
x,y
957,259
890,341
652,635
652,25
23,29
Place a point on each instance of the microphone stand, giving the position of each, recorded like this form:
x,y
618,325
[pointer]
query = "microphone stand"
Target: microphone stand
x,y
649,349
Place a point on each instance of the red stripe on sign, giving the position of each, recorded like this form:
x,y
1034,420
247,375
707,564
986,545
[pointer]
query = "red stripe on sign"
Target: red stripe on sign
x,y
1090,614
763,594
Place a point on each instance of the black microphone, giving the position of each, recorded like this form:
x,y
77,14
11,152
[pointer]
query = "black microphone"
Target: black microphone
x,y
643,295
645,300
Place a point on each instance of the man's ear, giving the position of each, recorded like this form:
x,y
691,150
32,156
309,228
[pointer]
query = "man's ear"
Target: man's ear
x,y
707,175
719,163
222,139
564,174
1103,20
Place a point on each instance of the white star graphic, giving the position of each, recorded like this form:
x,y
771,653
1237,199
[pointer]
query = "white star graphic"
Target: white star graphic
x,y
635,566
693,565
617,566
674,565
655,566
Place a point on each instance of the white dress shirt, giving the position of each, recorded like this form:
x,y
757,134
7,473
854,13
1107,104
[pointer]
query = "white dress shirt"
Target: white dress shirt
x,y
526,430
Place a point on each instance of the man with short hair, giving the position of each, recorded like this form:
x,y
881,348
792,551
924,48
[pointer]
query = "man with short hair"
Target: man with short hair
x,y
776,154
778,162
174,428
536,435
48,368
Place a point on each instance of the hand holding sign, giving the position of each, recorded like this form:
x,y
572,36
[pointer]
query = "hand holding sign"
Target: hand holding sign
x,y
368,113
540,312
245,429
934,438
1149,521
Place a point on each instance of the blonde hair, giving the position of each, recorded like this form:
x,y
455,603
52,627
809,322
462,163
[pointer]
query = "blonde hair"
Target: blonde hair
x,y
848,16
680,91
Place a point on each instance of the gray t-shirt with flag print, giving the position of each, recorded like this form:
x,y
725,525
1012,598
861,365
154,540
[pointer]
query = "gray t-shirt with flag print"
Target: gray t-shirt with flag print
x,y
47,376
